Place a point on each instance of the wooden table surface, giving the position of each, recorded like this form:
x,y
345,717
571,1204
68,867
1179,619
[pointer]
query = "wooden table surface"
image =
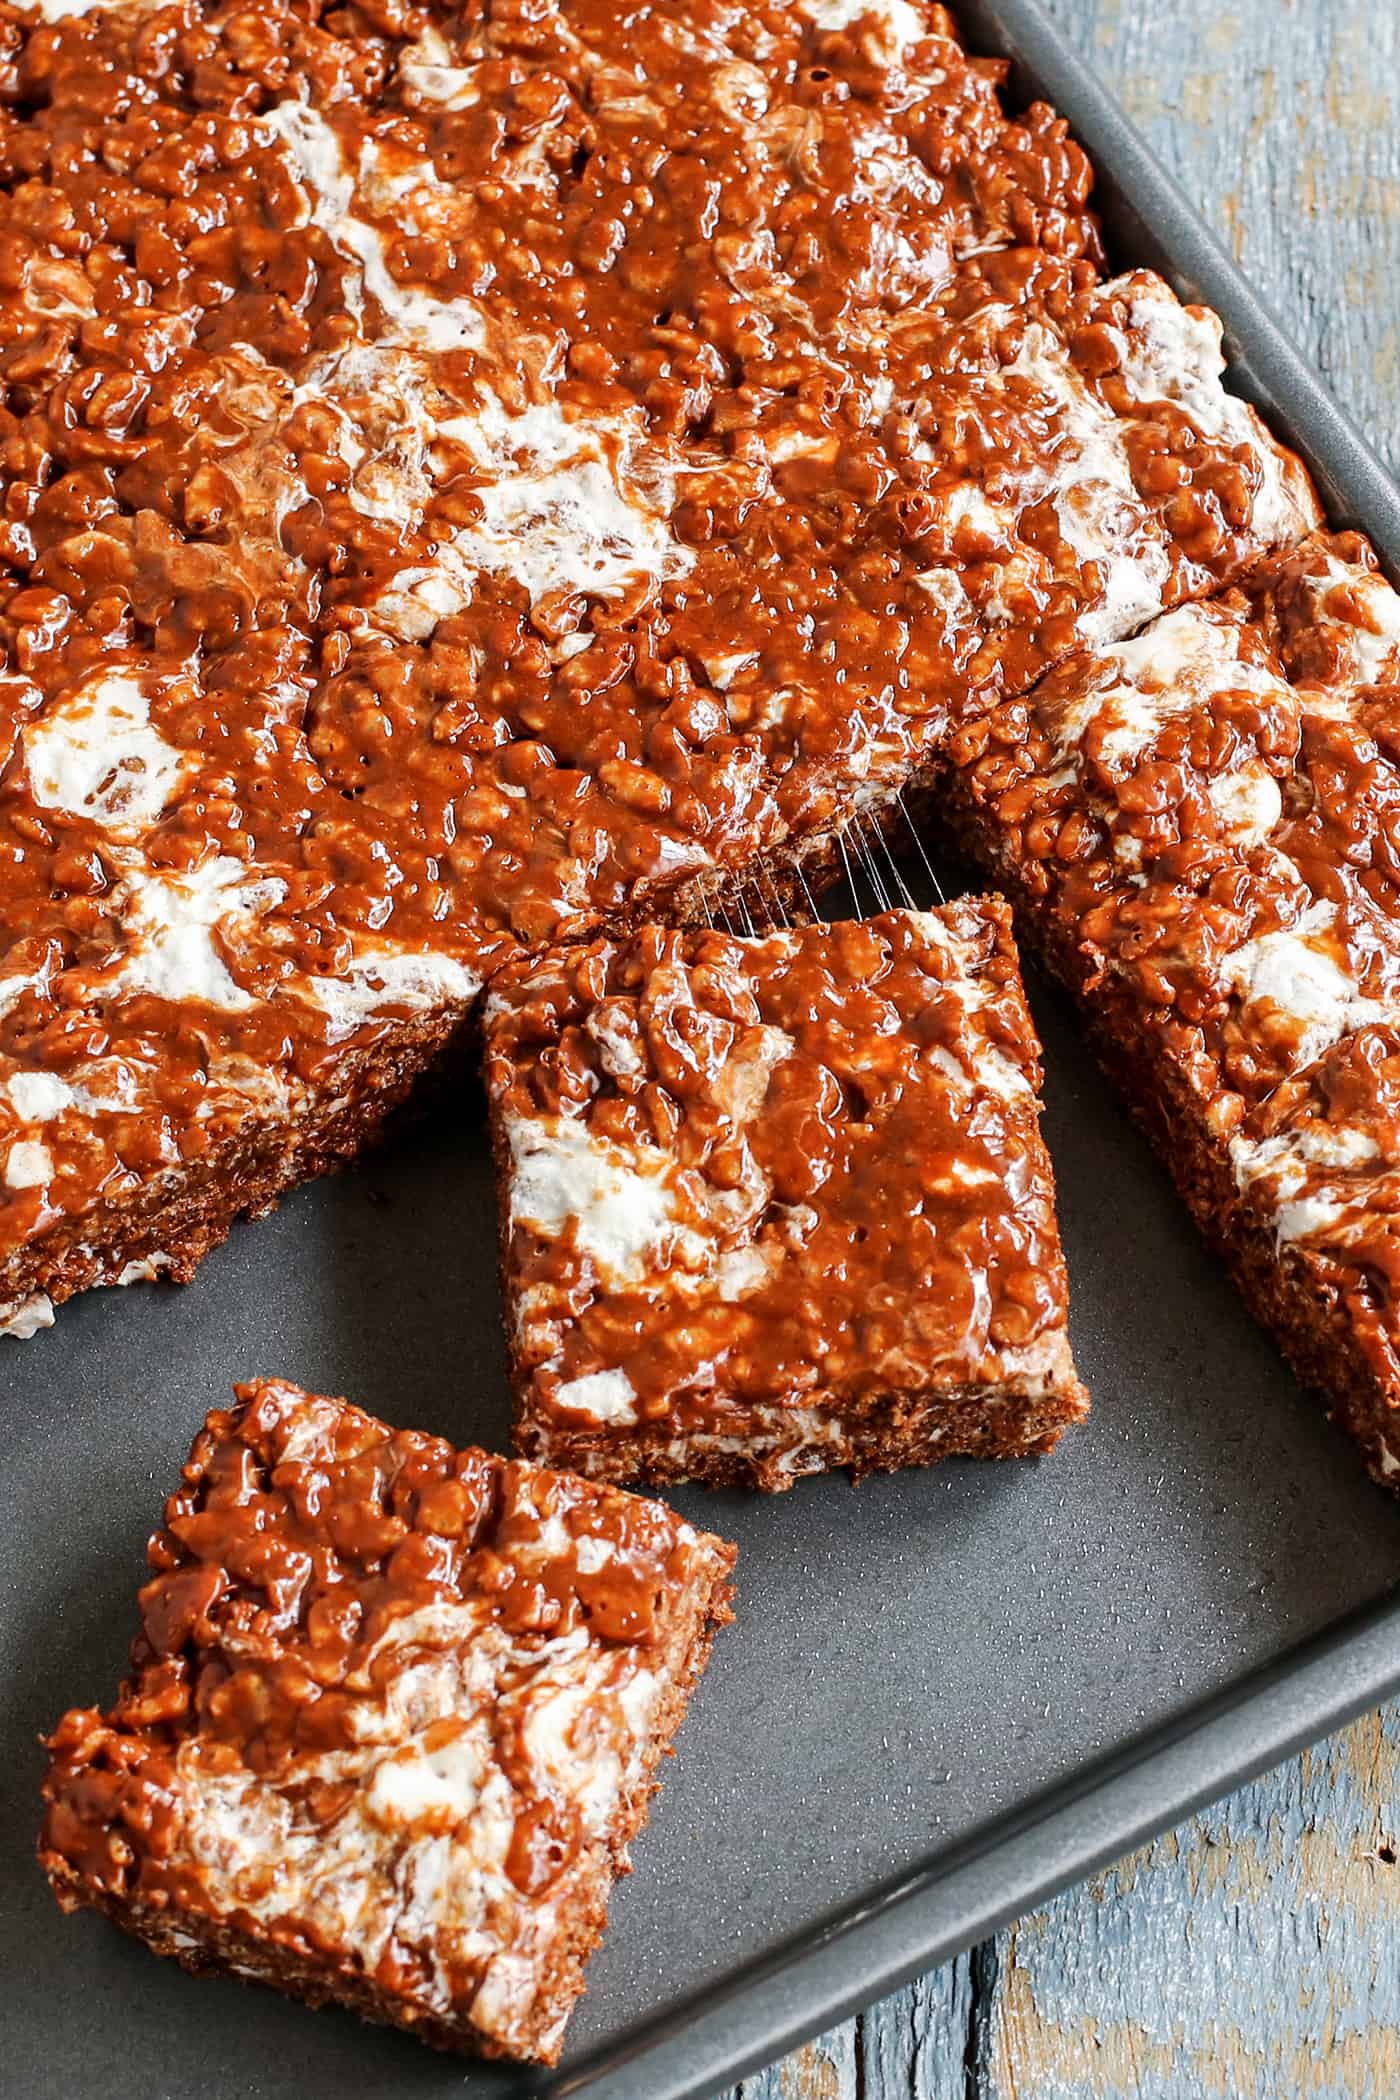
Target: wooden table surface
x,y
1254,1953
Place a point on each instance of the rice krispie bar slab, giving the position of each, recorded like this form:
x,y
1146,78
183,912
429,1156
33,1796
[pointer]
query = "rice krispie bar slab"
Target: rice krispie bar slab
x,y
472,481
1202,829
393,1719
777,1205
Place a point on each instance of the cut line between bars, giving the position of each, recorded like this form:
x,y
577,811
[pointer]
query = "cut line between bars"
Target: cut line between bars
x,y
867,856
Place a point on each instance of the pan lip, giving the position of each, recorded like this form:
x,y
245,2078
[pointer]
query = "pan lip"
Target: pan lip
x,y
1047,1842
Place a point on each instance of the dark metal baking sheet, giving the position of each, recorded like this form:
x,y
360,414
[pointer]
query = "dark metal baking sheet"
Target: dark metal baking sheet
x,y
947,1693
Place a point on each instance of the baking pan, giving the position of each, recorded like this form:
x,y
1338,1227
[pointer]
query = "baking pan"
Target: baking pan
x,y
947,1693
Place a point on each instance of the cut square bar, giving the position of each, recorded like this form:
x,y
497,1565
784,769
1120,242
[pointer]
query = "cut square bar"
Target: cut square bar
x,y
776,1205
393,1719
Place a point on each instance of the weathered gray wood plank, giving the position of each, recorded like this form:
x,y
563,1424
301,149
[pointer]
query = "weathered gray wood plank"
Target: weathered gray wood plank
x,y
1281,120
1251,1953
915,2045
822,2070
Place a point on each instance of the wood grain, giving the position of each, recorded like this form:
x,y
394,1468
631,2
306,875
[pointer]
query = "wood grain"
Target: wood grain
x,y
1250,1955
822,2070
1281,121
1253,1954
